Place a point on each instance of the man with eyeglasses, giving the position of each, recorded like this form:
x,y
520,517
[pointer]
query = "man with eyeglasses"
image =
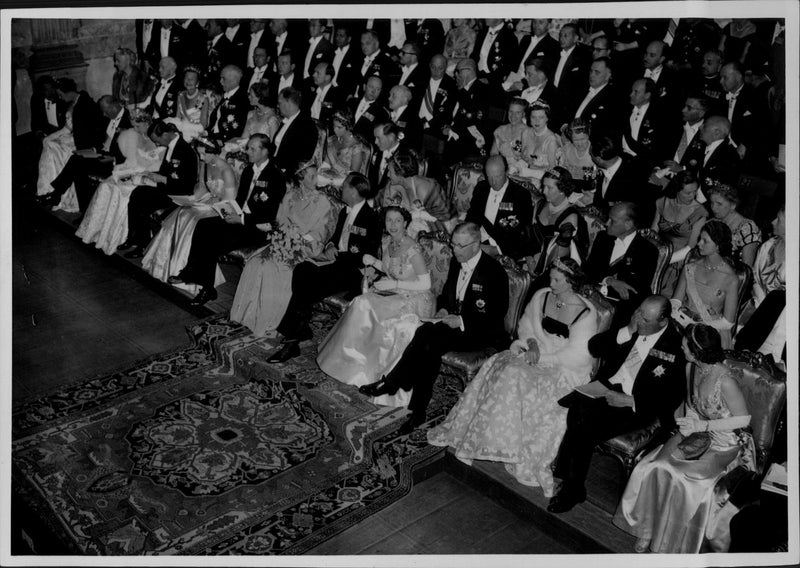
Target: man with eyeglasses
x,y
470,316
413,75
468,133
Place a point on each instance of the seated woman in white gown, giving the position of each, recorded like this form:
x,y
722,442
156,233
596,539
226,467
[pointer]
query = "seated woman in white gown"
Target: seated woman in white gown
x,y
509,412
265,287
193,105
57,148
371,336
345,151
167,253
106,220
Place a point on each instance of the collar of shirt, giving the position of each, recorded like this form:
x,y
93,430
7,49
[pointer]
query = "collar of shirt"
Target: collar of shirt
x,y
171,147
713,146
372,57
229,94
281,38
289,120
258,168
261,69
167,81
498,194
639,111
644,343
119,115
594,90
216,39
255,36
230,31
612,169
397,112
496,30
468,86
654,74
165,32
313,41
626,240
566,52
343,50
468,267
691,129
407,69
322,90
352,212
185,24
288,80
734,94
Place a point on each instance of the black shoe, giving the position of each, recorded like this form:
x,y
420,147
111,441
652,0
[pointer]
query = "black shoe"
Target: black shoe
x,y
413,422
135,252
565,500
128,243
205,295
289,350
377,388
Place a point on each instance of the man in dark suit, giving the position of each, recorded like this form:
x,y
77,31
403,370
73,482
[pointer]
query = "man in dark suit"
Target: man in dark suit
x,y
78,168
367,111
219,52
88,126
503,210
48,111
319,49
748,118
620,178
537,86
261,190
642,370
168,43
413,74
260,38
600,106
495,52
468,134
358,232
148,33
287,77
287,41
643,134
621,261
239,38
438,98
297,138
346,60
164,99
176,176
403,114
227,120
259,73
540,44
324,98
571,73
669,88
386,136
472,308
720,159
376,61
707,82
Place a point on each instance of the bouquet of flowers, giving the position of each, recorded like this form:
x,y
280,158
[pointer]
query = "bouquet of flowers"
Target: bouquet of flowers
x,y
285,245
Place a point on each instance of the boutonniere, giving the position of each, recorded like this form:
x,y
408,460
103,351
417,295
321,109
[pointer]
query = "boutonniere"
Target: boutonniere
x,y
575,69
494,66
174,175
480,303
354,249
230,118
693,163
594,116
601,107
318,56
477,287
747,113
376,67
441,108
659,371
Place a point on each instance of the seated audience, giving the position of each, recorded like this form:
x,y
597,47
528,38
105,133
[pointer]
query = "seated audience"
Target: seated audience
x,y
404,115
514,140
723,201
324,96
670,503
685,148
262,118
459,42
545,142
229,117
305,215
260,193
371,336
466,133
640,378
438,98
193,103
367,111
509,412
105,222
345,151
720,161
575,155
358,232
48,111
421,196
679,218
167,253
643,134
537,82
471,311
622,262
708,287
765,331
619,179
297,139
601,105
163,101
503,210
388,141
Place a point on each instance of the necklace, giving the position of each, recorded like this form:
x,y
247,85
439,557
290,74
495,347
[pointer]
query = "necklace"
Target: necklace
x,y
194,96
713,267
394,246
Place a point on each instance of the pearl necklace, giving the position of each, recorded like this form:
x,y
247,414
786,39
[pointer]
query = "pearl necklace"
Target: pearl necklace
x,y
714,267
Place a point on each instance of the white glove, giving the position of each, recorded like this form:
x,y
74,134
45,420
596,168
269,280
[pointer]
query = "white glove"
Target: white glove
x,y
369,260
385,284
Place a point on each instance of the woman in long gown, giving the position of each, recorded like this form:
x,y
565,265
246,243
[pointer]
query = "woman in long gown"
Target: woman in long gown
x,y
422,196
509,412
193,105
371,336
541,154
57,148
679,218
167,253
723,201
575,155
514,140
669,503
708,288
265,286
345,151
262,119
106,220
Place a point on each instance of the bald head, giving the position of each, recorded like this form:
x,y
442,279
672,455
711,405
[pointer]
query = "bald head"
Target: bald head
x,y
167,67
399,96
495,170
715,128
438,66
653,315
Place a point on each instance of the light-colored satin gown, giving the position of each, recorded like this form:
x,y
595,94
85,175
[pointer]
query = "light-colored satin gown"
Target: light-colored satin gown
x,y
57,149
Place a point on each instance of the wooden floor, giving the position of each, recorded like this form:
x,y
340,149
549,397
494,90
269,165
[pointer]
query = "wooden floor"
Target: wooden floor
x,y
78,313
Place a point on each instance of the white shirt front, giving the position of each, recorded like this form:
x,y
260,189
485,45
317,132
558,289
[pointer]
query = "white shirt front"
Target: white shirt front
x,y
147,33
52,112
367,62
493,202
626,374
257,169
287,122
362,108
316,106
534,42
352,213
162,90
407,70
385,156
608,175
397,33
561,63
465,275
397,112
231,31
164,46
710,150
338,57
621,246
636,118
491,35
280,40
653,74
312,45
285,82
258,74
111,128
255,37
689,130
433,87
588,98
171,148
731,97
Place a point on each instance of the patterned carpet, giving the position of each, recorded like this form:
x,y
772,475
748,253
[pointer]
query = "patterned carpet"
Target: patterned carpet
x,y
210,450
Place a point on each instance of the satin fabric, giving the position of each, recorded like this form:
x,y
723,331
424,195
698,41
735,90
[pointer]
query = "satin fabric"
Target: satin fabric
x,y
57,149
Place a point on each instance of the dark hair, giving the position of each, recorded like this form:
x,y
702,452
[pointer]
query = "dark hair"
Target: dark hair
x,y
572,26
264,140
405,164
604,147
721,234
344,116
371,33
406,214
736,66
292,95
681,180
562,177
704,343
633,212
571,270
360,183
66,85
330,71
649,85
389,128
540,64
727,192
518,101
702,100
262,93
159,128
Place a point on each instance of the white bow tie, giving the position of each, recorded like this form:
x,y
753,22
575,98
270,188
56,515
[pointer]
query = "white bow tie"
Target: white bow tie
x,y
731,96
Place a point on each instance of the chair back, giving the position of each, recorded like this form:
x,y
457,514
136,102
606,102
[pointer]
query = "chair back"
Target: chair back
x,y
764,388
519,282
664,254
322,135
595,222
605,313
465,178
745,274
437,254
367,154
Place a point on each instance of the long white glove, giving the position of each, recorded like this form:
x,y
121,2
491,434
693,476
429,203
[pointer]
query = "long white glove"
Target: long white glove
x,y
421,282
679,255
689,424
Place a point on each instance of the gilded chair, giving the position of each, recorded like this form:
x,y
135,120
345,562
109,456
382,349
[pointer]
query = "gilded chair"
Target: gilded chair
x,y
664,254
465,177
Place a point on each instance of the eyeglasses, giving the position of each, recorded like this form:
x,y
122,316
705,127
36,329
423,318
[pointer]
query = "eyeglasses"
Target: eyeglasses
x,y
408,52
460,246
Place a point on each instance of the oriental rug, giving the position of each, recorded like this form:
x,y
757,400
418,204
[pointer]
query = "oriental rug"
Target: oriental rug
x,y
211,450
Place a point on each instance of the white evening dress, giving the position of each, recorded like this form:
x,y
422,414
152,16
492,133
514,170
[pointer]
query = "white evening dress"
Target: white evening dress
x,y
57,148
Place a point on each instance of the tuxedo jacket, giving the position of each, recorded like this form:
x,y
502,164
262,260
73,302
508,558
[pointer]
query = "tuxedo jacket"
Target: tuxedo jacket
x,y
274,86
648,146
574,78
372,117
268,192
513,235
547,49
749,118
332,101
411,126
549,95
365,236
39,121
485,304
636,267
348,77
88,123
239,45
723,165
660,384
139,85
298,143
248,75
502,55
603,112
383,67
417,82
147,52
180,170
295,44
444,101
169,104
473,106
175,49
227,120
323,53
218,56
626,185
670,92
376,179
693,155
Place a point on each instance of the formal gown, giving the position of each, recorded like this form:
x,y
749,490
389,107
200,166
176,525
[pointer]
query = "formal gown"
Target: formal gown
x,y
371,336
515,144
744,232
432,212
671,500
167,253
190,112
582,169
675,225
57,148
265,286
704,303
509,412
105,222
769,281
338,162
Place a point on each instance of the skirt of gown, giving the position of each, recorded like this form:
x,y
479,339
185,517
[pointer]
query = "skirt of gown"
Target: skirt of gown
x,y
168,252
55,154
670,500
105,222
262,295
369,339
509,413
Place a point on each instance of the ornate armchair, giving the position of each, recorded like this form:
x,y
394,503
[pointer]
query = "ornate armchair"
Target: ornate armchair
x,y
464,365
465,177
437,254
595,222
664,254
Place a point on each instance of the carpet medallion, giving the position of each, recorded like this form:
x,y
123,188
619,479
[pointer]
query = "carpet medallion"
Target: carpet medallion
x,y
211,450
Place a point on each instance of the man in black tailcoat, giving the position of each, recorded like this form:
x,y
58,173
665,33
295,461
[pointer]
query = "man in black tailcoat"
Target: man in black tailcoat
x,y
472,308
358,232
227,120
642,370
297,137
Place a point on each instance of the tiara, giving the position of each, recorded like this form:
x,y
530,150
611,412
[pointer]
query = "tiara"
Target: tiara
x,y
557,264
141,115
540,104
192,67
555,174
